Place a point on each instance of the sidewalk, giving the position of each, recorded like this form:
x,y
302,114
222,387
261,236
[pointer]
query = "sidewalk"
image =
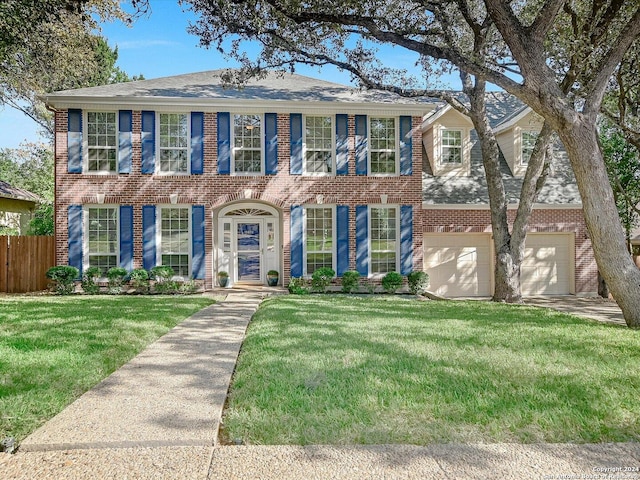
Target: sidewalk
x,y
158,416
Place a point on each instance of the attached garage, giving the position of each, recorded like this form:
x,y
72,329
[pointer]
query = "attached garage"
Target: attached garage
x,y
548,265
459,265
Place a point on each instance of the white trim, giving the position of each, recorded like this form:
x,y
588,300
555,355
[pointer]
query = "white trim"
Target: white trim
x,y
157,144
334,238
398,237
396,129
159,209
441,146
85,142
511,206
332,151
85,231
503,127
232,149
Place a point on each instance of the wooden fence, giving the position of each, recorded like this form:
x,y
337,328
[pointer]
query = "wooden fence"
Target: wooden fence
x,y
24,261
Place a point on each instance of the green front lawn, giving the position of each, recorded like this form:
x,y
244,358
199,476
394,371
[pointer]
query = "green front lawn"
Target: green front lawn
x,y
53,349
372,370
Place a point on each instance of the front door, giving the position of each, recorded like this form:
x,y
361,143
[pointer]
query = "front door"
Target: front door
x,y
249,250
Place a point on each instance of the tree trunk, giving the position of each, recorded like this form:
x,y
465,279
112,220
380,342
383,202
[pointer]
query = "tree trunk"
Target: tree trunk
x,y
603,289
601,215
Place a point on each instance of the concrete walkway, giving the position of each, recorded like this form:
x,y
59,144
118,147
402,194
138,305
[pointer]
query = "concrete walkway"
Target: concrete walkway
x,y
595,308
158,417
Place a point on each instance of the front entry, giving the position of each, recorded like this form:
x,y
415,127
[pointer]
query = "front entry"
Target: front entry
x,y
248,243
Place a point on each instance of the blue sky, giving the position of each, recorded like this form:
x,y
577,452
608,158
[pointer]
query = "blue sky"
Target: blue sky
x,y
158,45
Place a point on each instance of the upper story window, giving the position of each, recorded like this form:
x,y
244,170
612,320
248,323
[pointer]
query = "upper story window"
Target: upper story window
x,y
101,227
528,140
383,146
318,238
173,143
318,144
175,234
451,152
384,239
102,142
247,144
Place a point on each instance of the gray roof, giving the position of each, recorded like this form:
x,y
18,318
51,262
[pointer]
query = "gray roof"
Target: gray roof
x,y
15,193
210,85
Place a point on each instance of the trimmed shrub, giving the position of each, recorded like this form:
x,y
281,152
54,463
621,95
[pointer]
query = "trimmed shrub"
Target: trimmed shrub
x,y
350,281
321,278
139,279
418,282
298,286
391,282
161,273
116,275
90,279
63,277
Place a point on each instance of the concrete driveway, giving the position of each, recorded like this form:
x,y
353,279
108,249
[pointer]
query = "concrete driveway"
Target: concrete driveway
x,y
597,308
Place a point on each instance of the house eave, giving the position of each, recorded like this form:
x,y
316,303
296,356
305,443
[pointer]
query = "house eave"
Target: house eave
x,y
511,206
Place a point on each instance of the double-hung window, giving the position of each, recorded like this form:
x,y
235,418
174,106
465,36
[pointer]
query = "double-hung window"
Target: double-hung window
x,y
102,142
247,144
528,141
451,152
383,146
384,239
175,237
319,238
173,144
318,144
101,228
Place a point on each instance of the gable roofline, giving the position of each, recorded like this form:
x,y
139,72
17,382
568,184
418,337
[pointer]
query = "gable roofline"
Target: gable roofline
x,y
14,193
430,119
513,119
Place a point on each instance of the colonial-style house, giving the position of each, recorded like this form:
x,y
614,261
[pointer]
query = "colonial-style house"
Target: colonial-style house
x,y
291,174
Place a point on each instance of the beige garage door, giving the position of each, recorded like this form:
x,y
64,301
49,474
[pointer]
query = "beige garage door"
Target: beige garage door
x,y
547,265
458,265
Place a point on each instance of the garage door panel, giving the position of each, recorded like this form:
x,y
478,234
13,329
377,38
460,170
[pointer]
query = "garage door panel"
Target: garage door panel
x,y
546,267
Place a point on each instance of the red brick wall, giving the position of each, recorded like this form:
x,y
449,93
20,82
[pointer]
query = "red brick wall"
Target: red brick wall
x,y
215,191
542,220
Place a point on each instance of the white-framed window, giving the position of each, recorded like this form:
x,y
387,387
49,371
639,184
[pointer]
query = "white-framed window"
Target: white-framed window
x,y
319,238
102,238
451,147
383,146
247,144
173,142
101,142
174,234
384,239
528,142
319,141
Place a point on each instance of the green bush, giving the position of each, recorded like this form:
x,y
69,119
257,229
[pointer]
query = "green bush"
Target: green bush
x,y
188,287
391,282
63,277
350,281
116,275
321,278
298,286
167,287
139,279
418,282
162,273
90,279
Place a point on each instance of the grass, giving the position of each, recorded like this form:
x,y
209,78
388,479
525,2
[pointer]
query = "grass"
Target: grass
x,y
53,349
363,370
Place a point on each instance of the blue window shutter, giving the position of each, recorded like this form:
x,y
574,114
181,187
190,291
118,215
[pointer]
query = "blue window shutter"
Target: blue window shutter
x,y
406,146
296,240
126,237
224,143
125,151
271,143
361,144
197,261
148,237
296,143
342,144
74,219
148,142
406,239
342,234
197,143
74,140
362,239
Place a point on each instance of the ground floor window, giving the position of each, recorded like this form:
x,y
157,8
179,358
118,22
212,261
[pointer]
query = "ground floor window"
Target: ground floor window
x,y
319,239
174,245
384,239
102,237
